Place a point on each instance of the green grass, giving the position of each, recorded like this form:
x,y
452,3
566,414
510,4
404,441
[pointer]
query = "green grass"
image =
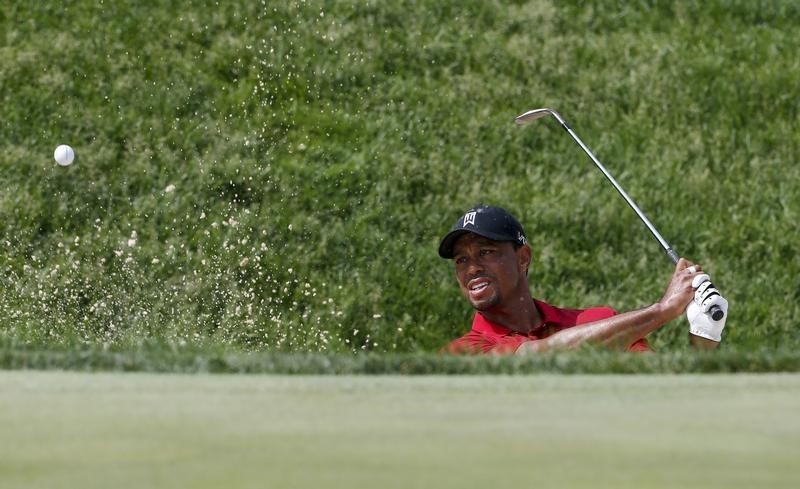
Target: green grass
x,y
171,359
143,430
276,176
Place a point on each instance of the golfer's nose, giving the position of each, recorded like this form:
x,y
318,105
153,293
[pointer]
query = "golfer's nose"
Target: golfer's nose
x,y
475,267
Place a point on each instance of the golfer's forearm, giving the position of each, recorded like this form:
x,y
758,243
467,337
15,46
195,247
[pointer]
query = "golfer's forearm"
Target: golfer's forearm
x,y
617,331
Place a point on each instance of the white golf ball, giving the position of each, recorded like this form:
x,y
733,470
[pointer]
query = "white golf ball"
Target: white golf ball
x,y
64,155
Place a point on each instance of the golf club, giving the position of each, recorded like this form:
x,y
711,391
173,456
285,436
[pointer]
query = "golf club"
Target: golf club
x,y
714,311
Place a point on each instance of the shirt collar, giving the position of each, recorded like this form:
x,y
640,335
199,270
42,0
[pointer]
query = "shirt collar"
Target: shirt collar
x,y
549,314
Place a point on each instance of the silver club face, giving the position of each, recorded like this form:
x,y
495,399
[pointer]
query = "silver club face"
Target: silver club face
x,y
534,114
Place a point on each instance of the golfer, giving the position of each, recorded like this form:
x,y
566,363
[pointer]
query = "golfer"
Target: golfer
x,y
492,257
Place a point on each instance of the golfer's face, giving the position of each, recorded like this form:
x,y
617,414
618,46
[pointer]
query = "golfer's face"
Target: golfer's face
x,y
488,272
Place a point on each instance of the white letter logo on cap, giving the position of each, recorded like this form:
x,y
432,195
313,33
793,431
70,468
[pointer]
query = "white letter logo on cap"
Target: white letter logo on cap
x,y
469,218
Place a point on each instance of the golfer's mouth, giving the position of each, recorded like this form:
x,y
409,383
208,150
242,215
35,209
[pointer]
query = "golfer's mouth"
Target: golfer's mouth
x,y
477,286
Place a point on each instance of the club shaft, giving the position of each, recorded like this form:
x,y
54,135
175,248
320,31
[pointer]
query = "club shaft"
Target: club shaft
x,y
536,114
671,253
715,311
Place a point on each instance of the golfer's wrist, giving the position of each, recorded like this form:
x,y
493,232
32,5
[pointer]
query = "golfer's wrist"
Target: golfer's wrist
x,y
663,312
702,342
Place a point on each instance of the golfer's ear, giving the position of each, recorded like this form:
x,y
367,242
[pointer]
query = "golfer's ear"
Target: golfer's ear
x,y
524,257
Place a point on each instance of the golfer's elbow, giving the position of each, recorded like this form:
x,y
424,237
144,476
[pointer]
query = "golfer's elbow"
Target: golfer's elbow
x,y
532,346
551,343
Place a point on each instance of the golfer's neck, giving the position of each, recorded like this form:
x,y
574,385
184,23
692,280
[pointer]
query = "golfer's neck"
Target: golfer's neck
x,y
518,315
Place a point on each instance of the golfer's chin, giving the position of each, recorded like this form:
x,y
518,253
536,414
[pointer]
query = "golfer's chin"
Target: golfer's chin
x,y
484,303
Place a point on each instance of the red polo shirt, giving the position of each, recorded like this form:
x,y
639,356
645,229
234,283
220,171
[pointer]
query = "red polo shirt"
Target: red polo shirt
x,y
488,337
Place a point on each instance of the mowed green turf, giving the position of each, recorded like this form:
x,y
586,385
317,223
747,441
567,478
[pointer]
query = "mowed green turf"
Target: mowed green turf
x,y
62,429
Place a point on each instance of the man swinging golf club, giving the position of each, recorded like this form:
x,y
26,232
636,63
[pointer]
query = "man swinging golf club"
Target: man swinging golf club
x,y
492,258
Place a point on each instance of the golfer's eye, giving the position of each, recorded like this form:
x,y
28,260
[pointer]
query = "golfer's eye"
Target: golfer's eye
x,y
460,260
486,251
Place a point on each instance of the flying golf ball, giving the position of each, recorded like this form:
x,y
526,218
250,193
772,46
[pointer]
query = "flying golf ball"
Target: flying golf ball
x,y
64,155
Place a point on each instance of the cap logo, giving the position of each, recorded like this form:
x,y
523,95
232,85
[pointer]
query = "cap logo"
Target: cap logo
x,y
469,218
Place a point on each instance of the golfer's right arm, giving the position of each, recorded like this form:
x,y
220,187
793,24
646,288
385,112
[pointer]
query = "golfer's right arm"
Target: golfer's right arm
x,y
624,329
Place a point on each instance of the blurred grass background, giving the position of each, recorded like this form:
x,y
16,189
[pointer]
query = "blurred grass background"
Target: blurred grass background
x,y
276,176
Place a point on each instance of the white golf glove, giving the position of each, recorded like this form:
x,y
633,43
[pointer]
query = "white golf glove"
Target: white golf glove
x,y
700,321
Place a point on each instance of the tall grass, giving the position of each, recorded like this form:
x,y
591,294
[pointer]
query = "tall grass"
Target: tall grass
x,y
276,176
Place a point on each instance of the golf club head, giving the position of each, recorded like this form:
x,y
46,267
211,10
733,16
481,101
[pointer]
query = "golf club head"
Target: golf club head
x,y
534,114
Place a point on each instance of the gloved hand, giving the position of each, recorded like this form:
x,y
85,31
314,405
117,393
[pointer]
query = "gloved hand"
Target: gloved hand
x,y
705,296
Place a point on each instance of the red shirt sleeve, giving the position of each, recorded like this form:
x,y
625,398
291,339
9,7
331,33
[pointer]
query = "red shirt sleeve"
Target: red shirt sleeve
x,y
477,343
470,344
640,345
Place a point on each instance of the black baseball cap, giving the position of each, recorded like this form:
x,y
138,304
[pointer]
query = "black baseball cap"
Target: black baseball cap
x,y
488,221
